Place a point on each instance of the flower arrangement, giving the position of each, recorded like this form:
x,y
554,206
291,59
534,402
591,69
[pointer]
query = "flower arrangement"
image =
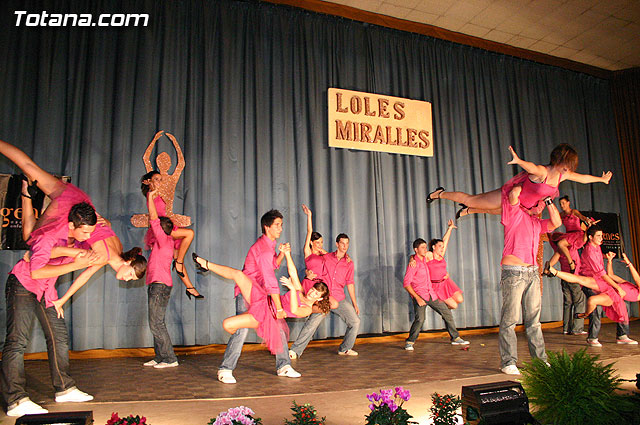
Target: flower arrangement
x,y
304,414
386,408
444,409
129,420
236,416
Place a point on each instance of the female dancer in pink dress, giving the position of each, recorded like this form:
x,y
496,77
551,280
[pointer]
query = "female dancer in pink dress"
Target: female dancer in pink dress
x,y
574,235
261,316
538,182
610,296
181,235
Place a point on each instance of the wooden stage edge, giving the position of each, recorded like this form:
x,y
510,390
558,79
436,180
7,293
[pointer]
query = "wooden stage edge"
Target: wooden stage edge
x,y
219,348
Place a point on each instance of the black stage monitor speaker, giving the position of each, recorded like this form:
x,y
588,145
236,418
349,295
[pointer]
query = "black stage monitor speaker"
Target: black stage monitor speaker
x,y
59,418
496,403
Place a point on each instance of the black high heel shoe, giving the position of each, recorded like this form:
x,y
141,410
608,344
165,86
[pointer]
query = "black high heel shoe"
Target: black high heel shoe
x,y
199,268
189,294
438,189
459,212
181,274
547,270
32,187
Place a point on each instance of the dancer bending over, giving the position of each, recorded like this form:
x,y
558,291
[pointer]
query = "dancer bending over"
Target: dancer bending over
x,y
610,295
538,182
152,181
260,315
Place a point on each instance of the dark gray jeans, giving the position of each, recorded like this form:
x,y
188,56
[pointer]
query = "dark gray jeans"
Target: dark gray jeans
x,y
159,295
573,302
420,313
22,306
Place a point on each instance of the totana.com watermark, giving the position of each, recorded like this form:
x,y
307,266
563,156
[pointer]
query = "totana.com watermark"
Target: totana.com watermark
x,y
44,19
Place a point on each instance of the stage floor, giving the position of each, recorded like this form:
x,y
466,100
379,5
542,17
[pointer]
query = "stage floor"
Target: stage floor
x,y
382,363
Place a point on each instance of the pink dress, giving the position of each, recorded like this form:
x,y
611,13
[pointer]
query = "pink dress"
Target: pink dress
x,y
631,290
532,193
286,304
445,288
149,237
618,310
262,309
55,219
574,234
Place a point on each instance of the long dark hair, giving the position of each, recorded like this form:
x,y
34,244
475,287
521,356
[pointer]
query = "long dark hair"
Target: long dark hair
x,y
138,262
143,186
324,304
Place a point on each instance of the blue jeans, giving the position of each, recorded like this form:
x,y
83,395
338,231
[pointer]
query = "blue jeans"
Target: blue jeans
x,y
595,320
346,312
520,288
159,295
22,306
234,346
573,302
420,313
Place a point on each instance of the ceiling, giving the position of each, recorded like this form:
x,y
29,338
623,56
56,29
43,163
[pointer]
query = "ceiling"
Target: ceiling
x,y
600,33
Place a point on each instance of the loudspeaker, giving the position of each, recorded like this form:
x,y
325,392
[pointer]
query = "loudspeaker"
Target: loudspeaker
x,y
59,418
496,403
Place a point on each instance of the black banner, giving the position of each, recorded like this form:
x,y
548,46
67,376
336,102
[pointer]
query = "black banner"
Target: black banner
x,y
11,201
611,233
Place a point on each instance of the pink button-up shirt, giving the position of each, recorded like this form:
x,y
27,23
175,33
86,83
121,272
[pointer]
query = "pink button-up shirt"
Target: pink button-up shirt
x,y
159,266
592,261
521,232
260,265
40,253
339,273
419,279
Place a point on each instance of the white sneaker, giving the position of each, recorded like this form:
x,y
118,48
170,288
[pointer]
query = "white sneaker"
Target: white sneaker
x,y
510,370
459,341
593,342
408,346
74,396
163,365
349,352
26,407
150,363
626,340
289,372
226,376
293,355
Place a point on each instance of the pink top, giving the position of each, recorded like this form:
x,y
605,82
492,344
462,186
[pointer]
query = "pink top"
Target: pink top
x,y
286,304
315,263
161,209
39,258
437,269
159,265
521,232
592,261
571,223
101,233
419,279
260,264
532,192
339,273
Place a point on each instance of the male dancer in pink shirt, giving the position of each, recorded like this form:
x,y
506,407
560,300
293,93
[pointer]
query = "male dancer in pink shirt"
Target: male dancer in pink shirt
x,y
520,279
339,273
592,264
260,265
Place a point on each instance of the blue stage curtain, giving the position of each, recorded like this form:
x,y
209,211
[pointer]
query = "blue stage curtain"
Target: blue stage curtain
x,y
243,87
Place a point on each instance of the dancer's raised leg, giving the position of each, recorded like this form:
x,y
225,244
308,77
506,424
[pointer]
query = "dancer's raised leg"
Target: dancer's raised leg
x,y
585,281
241,279
46,182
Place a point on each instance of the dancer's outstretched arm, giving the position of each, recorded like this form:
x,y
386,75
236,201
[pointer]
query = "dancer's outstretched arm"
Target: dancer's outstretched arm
x,y
540,171
445,239
587,178
307,241
75,286
291,269
634,273
28,217
46,181
610,256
